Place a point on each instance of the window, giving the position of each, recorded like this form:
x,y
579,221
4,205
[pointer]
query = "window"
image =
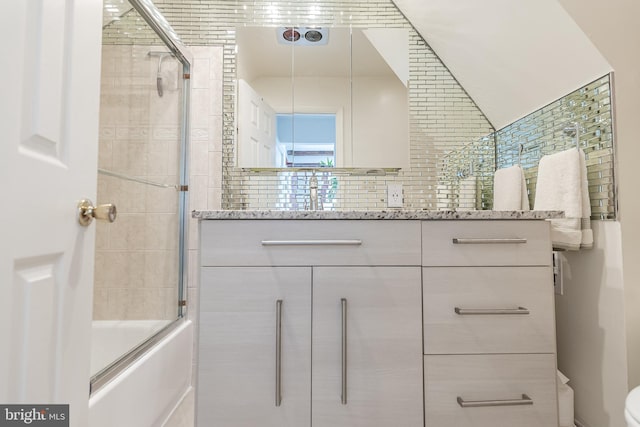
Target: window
x,y
306,140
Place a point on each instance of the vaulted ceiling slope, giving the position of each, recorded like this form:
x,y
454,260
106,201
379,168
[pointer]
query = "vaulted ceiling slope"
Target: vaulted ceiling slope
x,y
512,57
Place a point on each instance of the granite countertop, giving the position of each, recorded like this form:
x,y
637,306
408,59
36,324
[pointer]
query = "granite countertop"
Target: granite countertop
x,y
381,214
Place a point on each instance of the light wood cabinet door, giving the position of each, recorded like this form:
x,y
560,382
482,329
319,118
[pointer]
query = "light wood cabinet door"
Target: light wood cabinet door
x,y
237,378
383,370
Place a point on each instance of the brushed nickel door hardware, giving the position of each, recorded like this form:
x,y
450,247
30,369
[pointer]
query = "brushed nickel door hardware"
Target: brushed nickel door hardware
x,y
483,311
458,241
343,396
278,352
311,242
526,400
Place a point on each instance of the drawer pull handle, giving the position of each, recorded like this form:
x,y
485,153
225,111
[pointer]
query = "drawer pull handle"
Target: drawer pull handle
x,y
488,241
343,395
311,242
278,352
482,311
526,400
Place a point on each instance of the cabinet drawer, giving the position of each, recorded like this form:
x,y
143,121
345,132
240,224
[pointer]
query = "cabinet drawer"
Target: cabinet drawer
x,y
309,242
489,243
488,310
496,390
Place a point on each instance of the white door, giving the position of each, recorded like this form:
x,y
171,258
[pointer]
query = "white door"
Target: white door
x,y
50,71
256,129
379,383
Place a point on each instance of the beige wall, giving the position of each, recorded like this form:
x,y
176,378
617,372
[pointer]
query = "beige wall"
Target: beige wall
x,y
590,328
613,28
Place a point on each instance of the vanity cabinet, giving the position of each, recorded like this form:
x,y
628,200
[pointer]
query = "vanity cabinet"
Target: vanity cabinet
x,y
376,323
310,323
489,324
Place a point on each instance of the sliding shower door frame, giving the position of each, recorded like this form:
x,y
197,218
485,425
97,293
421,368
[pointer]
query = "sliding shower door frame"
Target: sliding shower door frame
x,y
165,32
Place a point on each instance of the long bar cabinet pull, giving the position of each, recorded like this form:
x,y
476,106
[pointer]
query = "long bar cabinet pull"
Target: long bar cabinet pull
x,y
525,400
473,241
343,242
483,311
343,395
278,352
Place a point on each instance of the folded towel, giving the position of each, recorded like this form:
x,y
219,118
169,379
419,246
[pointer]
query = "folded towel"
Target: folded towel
x,y
562,185
510,190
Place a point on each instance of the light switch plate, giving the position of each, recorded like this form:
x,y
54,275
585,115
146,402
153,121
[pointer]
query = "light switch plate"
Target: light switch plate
x,y
394,195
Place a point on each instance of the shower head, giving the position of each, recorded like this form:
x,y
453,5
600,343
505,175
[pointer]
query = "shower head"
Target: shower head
x,y
161,56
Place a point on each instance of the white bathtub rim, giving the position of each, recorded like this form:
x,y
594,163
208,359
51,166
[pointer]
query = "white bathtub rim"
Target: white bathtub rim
x,y
177,327
131,399
107,330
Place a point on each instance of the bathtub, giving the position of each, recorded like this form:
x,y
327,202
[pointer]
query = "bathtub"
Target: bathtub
x,y
147,391
110,339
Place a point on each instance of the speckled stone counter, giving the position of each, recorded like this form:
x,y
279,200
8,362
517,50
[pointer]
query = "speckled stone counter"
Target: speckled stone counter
x,y
383,214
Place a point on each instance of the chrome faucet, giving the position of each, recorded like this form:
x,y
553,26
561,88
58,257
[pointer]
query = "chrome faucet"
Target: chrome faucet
x,y
313,193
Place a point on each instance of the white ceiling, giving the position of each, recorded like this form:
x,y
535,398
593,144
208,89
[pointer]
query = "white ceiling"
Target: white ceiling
x,y
512,57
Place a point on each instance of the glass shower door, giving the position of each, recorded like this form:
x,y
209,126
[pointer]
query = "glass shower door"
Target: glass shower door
x,y
138,268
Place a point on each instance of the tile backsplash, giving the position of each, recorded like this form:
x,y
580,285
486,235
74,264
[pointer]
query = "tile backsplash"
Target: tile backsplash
x,y
542,132
442,116
545,131
450,139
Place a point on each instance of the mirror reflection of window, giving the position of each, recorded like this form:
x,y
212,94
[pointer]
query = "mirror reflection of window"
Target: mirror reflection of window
x,y
360,74
314,136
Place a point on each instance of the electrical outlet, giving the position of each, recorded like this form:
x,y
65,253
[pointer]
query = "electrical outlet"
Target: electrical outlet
x,y
394,195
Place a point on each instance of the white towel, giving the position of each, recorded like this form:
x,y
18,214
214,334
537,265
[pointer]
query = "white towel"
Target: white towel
x,y
585,225
562,185
510,190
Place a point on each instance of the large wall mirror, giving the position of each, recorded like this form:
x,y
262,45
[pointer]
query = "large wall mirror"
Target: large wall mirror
x,y
310,96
